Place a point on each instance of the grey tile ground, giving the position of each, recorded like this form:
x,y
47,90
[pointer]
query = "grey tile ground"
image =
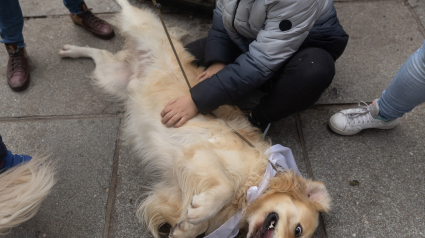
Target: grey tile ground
x,y
58,86
84,151
389,166
131,185
418,7
31,8
383,34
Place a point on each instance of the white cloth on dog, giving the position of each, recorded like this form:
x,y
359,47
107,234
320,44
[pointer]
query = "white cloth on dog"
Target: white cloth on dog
x,y
282,158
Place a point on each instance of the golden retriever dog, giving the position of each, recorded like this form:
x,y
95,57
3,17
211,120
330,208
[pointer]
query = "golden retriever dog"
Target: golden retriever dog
x,y
22,190
202,170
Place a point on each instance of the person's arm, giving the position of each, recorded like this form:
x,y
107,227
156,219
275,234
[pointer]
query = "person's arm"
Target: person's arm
x,y
274,44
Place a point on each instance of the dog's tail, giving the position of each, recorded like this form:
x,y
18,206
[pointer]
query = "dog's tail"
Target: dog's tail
x,y
22,189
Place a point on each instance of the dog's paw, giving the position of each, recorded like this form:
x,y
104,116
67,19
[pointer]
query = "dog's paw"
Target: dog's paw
x,y
67,51
201,209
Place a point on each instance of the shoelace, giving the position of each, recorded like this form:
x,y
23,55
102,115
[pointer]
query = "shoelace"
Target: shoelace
x,y
361,115
16,61
91,18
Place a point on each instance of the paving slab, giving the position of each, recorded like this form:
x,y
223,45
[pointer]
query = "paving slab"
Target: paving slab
x,y
132,181
131,185
83,151
418,7
37,8
383,34
58,86
389,166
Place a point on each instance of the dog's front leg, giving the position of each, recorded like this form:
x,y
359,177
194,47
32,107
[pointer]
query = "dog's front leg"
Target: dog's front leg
x,y
207,204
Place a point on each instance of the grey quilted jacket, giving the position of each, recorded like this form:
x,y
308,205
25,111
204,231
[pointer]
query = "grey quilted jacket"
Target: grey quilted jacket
x,y
254,38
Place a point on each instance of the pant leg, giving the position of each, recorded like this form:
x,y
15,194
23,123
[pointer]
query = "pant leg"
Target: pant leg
x,y
197,49
3,150
298,85
407,89
73,6
11,22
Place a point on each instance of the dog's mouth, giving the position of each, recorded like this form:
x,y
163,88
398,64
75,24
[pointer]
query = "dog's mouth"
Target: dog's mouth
x,y
267,230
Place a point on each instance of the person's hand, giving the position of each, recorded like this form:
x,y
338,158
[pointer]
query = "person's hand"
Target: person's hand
x,y
179,111
213,69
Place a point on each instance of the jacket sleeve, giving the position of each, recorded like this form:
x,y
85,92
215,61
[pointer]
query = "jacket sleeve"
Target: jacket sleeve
x,y
265,56
219,47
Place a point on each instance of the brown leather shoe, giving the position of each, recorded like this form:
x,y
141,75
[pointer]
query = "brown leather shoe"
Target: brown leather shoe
x,y
17,73
92,23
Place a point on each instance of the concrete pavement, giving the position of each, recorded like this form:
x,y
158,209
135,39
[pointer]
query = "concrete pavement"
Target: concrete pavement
x,y
100,182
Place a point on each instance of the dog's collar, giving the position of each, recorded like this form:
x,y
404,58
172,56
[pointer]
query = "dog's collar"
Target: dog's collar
x,y
282,158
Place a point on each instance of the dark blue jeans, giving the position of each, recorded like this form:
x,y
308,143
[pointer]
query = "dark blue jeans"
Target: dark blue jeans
x,y
12,22
3,150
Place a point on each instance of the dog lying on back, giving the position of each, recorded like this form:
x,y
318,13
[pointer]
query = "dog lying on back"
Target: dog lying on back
x,y
202,169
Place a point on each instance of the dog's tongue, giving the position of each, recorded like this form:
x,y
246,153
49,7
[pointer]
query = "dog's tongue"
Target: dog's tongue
x,y
268,233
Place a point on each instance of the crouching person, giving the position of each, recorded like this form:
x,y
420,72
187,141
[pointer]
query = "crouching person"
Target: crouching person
x,y
288,48
24,183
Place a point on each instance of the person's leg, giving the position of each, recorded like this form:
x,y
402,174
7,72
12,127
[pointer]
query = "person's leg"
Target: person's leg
x,y
406,90
11,25
73,6
297,86
82,15
11,22
9,160
3,151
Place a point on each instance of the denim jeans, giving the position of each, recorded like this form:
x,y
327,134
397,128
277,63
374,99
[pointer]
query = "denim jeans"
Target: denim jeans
x,y
12,22
3,150
407,89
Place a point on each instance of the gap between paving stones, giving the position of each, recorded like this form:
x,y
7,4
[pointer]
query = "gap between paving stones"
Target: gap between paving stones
x,y
59,118
63,15
308,165
421,27
112,196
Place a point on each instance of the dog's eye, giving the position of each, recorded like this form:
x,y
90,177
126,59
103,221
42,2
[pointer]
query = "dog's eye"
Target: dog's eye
x,y
298,230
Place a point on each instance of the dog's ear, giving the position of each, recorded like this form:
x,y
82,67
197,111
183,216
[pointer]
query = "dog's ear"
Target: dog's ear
x,y
317,193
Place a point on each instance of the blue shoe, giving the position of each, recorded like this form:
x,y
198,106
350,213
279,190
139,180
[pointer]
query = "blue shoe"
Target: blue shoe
x,y
12,160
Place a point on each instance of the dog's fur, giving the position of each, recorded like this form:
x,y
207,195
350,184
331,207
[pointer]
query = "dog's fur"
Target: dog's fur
x,y
202,170
22,189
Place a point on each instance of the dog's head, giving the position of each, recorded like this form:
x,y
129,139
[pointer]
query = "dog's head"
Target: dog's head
x,y
289,208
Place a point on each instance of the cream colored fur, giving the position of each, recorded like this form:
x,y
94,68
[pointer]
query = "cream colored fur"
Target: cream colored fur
x,y
22,190
202,170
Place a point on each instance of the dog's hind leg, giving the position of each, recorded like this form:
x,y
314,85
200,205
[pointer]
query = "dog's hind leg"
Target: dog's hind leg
x,y
112,73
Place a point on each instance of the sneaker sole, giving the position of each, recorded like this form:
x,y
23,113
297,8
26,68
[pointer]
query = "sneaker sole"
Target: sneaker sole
x,y
345,133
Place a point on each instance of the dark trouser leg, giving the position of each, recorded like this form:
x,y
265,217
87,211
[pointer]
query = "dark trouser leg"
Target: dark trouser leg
x,y
3,150
73,6
298,85
197,49
11,22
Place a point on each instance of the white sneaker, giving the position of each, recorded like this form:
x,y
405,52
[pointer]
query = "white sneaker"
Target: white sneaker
x,y
352,121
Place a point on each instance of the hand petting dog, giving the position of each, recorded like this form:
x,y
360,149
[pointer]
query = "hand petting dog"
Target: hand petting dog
x,y
179,111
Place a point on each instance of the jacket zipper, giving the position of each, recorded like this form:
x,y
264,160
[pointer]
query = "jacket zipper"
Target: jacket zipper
x,y
234,15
